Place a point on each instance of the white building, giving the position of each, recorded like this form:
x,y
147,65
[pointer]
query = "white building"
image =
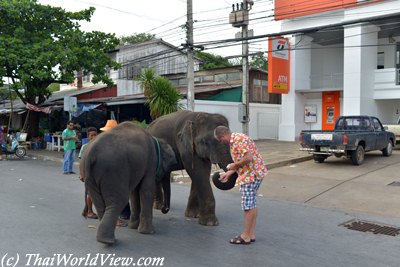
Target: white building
x,y
344,60
157,54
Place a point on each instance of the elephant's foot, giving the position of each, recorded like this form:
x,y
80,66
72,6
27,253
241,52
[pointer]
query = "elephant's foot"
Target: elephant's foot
x,y
133,224
106,239
208,220
192,213
146,229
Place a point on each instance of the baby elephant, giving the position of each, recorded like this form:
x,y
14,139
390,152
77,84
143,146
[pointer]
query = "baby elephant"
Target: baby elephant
x,y
126,162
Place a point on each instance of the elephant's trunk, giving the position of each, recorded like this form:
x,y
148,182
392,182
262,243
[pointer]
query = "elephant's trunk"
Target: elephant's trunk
x,y
166,185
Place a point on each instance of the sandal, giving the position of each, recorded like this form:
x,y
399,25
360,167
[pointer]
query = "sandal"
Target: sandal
x,y
92,216
238,240
121,223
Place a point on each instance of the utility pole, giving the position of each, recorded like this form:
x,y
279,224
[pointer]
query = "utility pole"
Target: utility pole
x,y
190,63
239,17
245,75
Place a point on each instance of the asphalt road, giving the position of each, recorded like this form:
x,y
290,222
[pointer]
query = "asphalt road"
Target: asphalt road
x,y
40,218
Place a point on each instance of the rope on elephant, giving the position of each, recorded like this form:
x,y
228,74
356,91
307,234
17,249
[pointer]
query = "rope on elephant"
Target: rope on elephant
x,y
158,154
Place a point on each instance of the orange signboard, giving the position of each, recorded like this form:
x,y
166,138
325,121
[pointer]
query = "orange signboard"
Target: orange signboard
x,y
278,65
285,9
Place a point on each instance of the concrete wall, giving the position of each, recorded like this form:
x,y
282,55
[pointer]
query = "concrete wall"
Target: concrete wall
x,y
264,118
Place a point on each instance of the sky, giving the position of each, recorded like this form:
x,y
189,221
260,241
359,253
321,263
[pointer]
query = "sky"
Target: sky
x,y
165,18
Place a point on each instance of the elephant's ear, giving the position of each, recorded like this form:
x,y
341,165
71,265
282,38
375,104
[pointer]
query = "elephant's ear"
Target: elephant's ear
x,y
186,138
168,158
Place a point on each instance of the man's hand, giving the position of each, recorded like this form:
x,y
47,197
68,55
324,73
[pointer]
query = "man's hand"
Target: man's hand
x,y
224,177
232,167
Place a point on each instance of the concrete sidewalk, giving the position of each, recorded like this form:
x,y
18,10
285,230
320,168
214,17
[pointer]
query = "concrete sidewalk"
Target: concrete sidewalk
x,y
275,153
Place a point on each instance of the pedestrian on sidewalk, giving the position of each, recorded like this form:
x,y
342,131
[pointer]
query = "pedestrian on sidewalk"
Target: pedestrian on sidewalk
x,y
69,138
251,169
88,209
2,141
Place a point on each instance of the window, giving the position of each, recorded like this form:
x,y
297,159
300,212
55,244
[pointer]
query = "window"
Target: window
x,y
381,60
220,77
377,125
234,76
208,78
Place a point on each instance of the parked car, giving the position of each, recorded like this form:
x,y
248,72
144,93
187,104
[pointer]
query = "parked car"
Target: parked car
x,y
394,128
351,137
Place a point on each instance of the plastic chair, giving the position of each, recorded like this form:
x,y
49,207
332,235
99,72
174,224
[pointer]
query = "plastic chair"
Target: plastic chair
x,y
22,140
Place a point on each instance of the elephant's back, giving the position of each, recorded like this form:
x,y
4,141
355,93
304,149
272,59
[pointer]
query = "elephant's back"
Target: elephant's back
x,y
121,149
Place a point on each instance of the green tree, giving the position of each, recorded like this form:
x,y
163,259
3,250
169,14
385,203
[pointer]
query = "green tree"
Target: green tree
x,y
136,38
40,45
211,61
162,96
5,94
146,80
259,61
54,87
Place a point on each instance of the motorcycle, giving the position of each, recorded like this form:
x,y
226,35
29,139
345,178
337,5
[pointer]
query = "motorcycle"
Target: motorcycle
x,y
14,149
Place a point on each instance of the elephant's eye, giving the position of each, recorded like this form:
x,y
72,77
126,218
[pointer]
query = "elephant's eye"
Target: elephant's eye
x,y
206,141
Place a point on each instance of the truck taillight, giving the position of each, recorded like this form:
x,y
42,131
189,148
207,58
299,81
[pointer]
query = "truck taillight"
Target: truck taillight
x,y
301,137
344,139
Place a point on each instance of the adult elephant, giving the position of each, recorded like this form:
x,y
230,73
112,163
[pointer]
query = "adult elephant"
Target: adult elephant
x,y
126,162
191,135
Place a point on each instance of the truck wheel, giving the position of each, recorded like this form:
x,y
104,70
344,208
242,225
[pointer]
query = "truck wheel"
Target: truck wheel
x,y
387,151
357,156
319,159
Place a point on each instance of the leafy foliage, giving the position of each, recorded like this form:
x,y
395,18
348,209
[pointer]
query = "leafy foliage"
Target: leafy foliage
x,y
146,79
5,94
40,45
54,87
162,96
211,61
142,123
259,61
136,38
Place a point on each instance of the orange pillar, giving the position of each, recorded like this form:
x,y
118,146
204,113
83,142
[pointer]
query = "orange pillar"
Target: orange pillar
x,y
330,109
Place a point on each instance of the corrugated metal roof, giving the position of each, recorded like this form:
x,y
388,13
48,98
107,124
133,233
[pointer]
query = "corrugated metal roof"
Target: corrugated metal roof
x,y
73,92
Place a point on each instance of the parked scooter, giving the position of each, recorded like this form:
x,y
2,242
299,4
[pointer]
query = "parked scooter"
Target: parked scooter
x,y
15,148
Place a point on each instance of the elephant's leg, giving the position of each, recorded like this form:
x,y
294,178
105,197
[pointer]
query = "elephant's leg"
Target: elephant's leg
x,y
135,209
201,187
106,228
146,192
192,208
158,197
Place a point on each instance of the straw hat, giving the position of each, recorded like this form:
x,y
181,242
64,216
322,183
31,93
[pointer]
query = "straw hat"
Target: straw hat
x,y
109,125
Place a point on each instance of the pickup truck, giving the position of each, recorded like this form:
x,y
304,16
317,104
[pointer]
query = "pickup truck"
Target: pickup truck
x,y
394,128
351,137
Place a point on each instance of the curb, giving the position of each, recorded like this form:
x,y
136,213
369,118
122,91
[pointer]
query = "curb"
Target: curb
x,y
184,178
49,158
288,162
181,176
